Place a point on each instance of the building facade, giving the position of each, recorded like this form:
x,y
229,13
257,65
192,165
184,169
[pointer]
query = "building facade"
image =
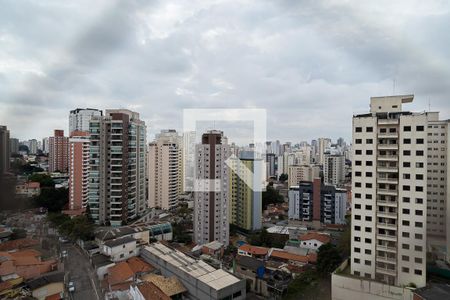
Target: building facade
x,y
334,168
389,184
245,208
298,173
78,170
58,154
5,149
165,170
79,118
117,167
314,202
211,198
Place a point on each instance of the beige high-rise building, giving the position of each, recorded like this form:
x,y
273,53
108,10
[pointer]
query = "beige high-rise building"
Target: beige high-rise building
x,y
323,145
333,167
302,173
165,170
397,182
438,204
211,200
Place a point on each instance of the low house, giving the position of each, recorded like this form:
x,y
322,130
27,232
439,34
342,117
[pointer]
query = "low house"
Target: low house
x,y
252,270
290,258
24,263
140,233
101,263
49,286
28,189
120,276
214,249
253,251
313,240
120,249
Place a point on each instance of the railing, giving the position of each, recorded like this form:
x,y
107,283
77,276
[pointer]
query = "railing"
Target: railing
x,y
386,270
387,224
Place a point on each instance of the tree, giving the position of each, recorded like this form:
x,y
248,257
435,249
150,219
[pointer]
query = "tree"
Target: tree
x,y
18,233
44,179
328,259
77,228
283,177
344,246
52,199
298,286
271,196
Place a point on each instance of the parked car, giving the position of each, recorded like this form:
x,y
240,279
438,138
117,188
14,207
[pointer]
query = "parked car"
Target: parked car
x,y
64,253
71,286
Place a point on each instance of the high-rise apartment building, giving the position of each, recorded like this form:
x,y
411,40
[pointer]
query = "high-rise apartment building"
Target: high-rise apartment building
x,y
45,145
322,145
310,201
211,199
5,149
334,167
390,190
245,207
58,154
32,146
79,118
165,170
302,173
78,170
188,149
270,165
117,167
438,181
14,145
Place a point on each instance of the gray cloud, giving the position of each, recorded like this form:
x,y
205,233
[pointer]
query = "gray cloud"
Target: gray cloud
x,y
311,64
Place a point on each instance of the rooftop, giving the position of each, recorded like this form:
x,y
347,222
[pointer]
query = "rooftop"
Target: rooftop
x,y
434,291
216,279
249,262
119,273
114,233
324,238
121,241
254,250
168,285
214,245
46,279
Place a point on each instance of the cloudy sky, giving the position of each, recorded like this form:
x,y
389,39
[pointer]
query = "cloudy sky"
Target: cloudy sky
x,y
311,64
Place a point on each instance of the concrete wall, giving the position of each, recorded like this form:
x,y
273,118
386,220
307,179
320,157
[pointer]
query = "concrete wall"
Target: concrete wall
x,y
344,287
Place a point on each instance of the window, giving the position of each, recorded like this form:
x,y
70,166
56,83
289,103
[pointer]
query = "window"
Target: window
x,y
405,223
358,129
418,248
357,217
405,234
357,184
368,229
368,174
405,257
368,241
368,251
419,152
357,250
418,236
406,141
406,188
369,152
419,141
418,272
405,246
358,228
406,176
419,188
419,176
358,141
369,141
419,224
357,206
419,212
369,186
358,152
368,207
369,163
406,164
406,211
358,174
368,218
406,128
367,262
358,163
369,129
405,270
420,128
406,152
417,260
356,260
405,199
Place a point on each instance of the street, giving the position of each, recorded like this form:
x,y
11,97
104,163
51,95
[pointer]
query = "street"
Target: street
x,y
80,271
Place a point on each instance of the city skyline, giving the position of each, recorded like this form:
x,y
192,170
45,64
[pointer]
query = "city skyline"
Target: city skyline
x,y
311,65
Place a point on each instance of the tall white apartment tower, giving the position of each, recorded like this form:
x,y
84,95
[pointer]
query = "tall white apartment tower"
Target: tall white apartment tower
x,y
165,170
323,144
389,182
211,221
79,118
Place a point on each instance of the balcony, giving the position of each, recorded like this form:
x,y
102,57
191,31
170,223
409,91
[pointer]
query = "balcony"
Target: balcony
x,y
384,270
387,203
387,146
387,237
387,157
387,169
392,135
386,214
387,180
385,258
387,121
386,225
387,192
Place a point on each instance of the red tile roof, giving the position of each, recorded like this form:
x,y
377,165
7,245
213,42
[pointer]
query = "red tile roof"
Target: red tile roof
x,y
18,244
119,273
56,296
138,265
289,256
324,238
254,250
